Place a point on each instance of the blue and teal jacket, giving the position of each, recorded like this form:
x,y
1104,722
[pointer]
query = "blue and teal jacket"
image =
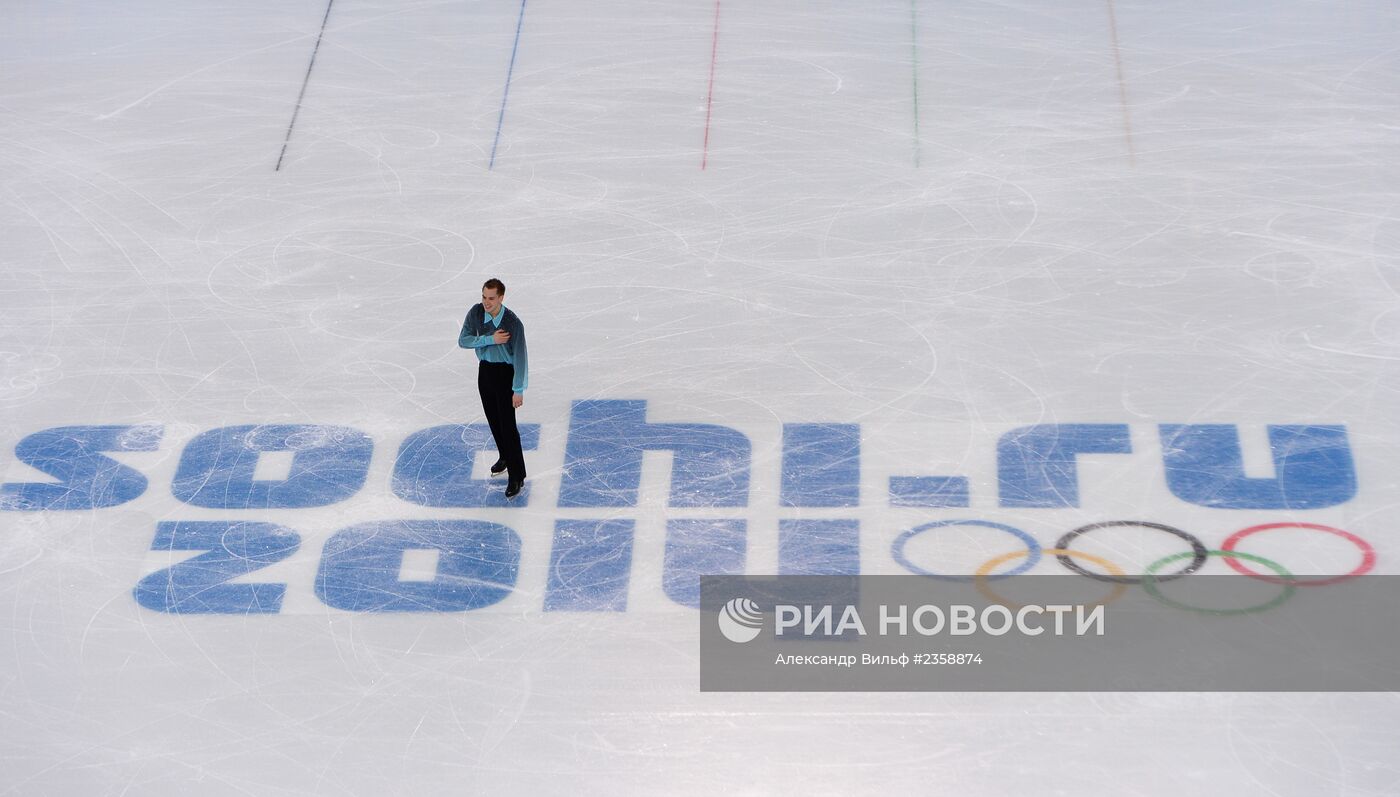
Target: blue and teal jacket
x,y
476,334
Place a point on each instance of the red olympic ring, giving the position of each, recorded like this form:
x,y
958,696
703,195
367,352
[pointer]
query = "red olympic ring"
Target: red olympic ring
x,y
1368,554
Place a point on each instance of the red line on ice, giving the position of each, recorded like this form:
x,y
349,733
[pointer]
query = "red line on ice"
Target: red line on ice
x,y
1122,84
710,95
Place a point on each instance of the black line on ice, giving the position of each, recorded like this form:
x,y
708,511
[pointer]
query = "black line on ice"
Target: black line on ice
x,y
304,81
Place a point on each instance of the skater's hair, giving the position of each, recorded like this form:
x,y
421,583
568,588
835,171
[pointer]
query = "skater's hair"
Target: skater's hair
x,y
496,285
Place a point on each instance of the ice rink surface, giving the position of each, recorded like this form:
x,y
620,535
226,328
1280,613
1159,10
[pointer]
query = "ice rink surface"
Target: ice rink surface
x,y
936,223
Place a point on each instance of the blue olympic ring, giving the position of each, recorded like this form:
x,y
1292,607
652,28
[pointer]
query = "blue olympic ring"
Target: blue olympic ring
x,y
897,549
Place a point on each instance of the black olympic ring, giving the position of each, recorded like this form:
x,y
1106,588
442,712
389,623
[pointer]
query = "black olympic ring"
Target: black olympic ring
x,y
1199,551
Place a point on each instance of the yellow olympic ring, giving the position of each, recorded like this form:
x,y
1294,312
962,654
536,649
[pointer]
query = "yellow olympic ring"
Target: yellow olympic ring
x,y
980,577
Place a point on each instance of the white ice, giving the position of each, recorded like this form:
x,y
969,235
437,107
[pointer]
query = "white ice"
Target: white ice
x,y
940,221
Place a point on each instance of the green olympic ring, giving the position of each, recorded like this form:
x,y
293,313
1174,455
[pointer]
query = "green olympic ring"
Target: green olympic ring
x,y
1149,582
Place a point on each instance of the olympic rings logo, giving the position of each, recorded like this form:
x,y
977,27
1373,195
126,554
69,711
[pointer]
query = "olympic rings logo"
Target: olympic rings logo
x,y
1152,575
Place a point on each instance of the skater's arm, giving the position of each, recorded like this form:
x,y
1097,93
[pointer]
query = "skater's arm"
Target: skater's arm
x,y
469,341
522,363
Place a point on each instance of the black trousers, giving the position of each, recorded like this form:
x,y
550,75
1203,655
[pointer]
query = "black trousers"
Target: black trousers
x,y
493,381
